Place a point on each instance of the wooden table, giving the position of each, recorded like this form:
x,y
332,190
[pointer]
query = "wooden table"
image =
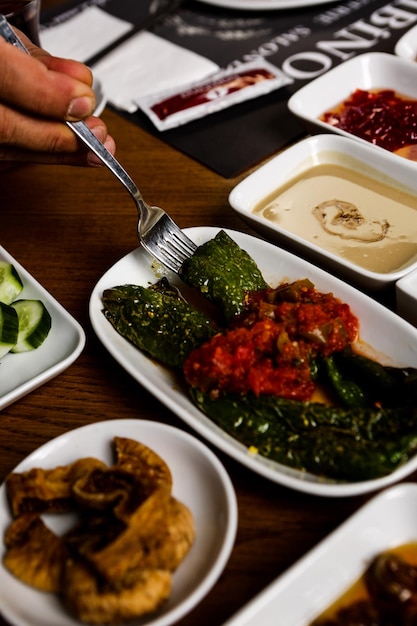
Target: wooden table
x,y
67,226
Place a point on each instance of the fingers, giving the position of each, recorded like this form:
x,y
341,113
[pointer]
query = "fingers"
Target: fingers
x,y
71,68
76,69
38,92
43,85
56,143
101,133
38,134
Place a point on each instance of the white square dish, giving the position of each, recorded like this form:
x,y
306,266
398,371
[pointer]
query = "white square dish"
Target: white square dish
x,y
370,71
406,294
24,372
291,222
318,579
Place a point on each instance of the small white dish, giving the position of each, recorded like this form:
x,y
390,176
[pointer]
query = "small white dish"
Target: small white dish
x,y
319,578
406,46
372,265
199,481
101,99
406,296
390,337
24,372
373,70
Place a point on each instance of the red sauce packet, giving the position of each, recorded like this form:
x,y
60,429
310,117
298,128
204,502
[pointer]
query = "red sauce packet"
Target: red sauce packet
x,y
217,91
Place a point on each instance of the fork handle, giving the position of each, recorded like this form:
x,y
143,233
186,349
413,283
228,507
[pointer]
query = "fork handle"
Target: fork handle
x,y
80,128
84,133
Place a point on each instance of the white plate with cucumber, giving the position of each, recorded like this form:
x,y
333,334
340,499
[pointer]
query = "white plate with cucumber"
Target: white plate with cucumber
x,y
38,337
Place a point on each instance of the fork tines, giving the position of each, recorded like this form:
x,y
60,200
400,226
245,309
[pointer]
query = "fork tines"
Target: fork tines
x,y
168,244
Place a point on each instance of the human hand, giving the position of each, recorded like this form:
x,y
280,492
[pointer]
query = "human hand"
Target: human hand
x,y
38,92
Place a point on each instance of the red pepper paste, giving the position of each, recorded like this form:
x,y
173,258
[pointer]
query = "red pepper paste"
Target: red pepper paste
x,y
381,117
212,90
269,348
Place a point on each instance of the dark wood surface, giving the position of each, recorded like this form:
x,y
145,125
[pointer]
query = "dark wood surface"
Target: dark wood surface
x,y
67,226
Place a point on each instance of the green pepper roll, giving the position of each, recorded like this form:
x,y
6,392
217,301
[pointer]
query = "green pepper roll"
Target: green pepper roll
x,y
224,273
158,321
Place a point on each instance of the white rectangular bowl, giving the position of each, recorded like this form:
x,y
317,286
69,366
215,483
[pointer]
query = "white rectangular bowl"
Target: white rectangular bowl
x,y
379,165
319,578
406,294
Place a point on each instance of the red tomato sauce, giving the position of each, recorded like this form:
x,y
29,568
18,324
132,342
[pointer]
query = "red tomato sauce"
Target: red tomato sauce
x,y
381,117
269,348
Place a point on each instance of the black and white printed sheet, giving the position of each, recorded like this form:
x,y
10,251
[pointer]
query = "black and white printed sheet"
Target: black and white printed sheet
x,y
198,37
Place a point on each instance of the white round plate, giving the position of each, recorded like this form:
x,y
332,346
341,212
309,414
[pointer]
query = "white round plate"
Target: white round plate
x,y
380,328
264,5
200,482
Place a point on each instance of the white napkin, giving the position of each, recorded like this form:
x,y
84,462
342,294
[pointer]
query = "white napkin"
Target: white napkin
x,y
85,33
148,64
145,64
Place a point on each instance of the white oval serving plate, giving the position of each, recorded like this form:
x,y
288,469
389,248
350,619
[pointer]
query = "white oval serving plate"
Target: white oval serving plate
x,y
381,329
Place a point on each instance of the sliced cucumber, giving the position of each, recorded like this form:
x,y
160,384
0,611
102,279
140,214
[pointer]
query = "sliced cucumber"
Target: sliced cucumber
x,y
34,324
9,328
10,283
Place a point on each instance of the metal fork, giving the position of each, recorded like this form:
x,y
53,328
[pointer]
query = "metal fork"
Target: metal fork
x,y
157,231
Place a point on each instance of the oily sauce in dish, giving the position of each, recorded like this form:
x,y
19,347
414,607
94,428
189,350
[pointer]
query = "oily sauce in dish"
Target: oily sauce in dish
x,y
385,595
348,213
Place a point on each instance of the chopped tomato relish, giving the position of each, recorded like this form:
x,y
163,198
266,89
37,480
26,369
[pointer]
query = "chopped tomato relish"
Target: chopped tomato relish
x,y
381,117
269,349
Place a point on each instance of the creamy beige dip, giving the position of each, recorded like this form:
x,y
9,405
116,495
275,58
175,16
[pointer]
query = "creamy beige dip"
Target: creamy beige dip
x,y
349,214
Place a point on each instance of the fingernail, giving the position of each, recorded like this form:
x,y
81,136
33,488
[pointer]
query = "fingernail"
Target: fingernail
x,y
80,107
92,158
110,144
99,133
